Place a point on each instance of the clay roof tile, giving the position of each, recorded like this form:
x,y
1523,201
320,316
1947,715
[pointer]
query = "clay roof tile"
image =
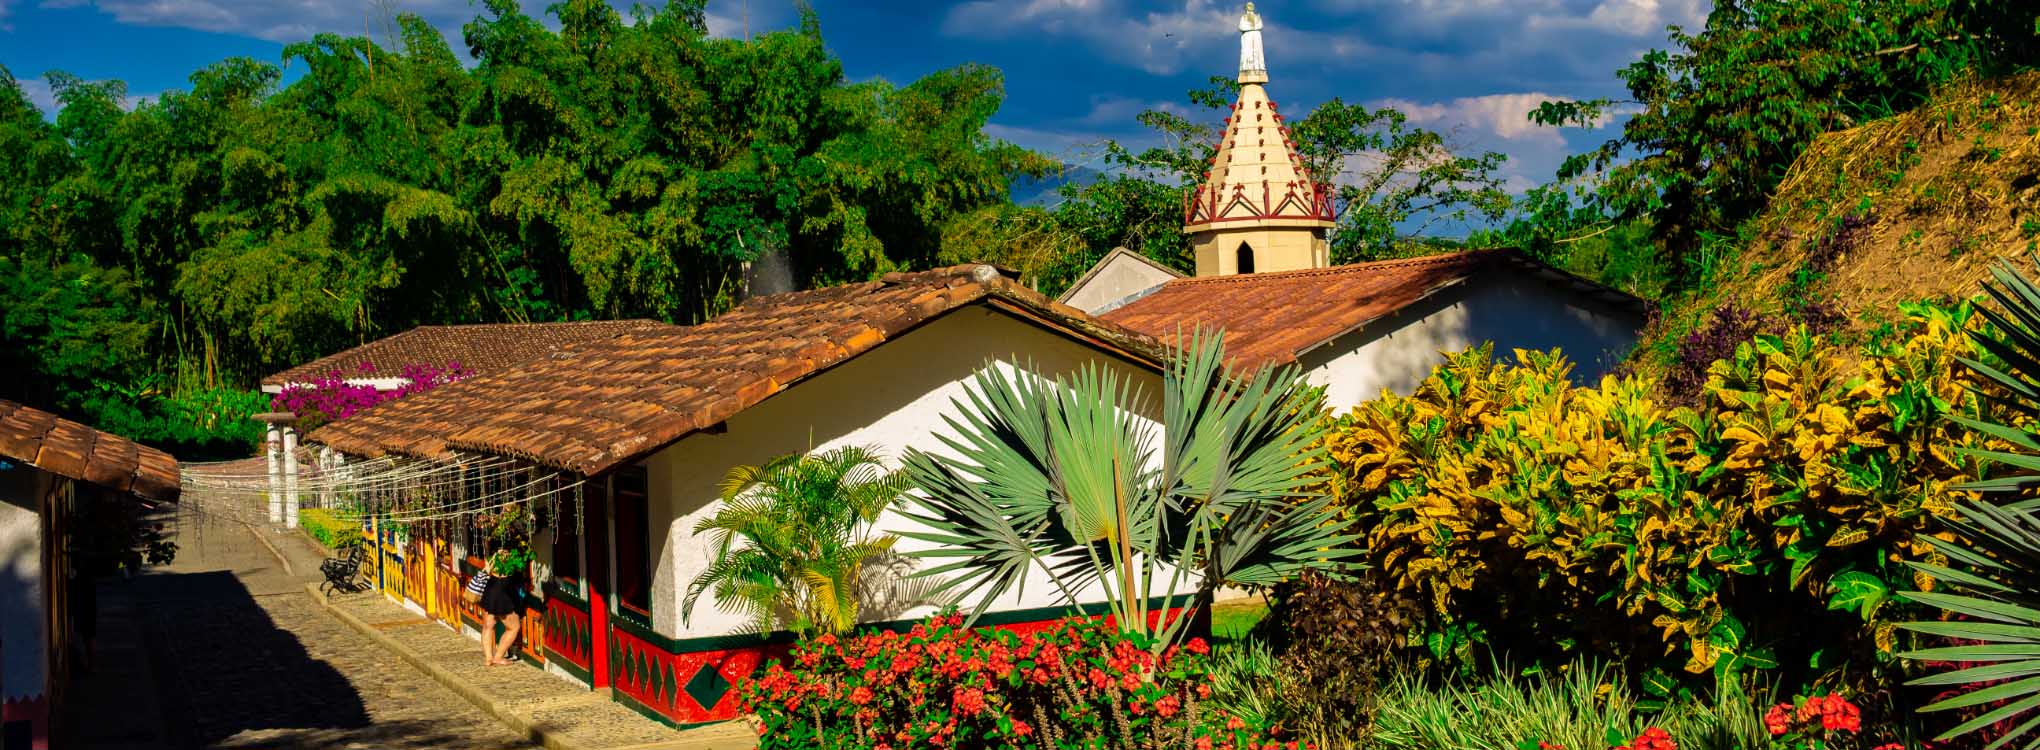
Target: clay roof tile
x,y
601,403
74,451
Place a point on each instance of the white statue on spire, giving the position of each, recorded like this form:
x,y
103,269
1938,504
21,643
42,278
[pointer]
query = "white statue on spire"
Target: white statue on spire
x,y
1253,65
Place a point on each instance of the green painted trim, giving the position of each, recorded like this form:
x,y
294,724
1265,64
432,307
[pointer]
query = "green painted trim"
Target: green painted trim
x,y
649,712
553,589
697,644
566,664
624,614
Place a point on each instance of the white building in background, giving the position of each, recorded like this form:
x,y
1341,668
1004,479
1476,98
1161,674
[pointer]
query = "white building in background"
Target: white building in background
x,y
1259,229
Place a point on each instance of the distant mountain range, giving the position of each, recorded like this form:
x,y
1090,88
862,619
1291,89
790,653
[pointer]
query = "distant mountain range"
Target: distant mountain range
x,y
1043,191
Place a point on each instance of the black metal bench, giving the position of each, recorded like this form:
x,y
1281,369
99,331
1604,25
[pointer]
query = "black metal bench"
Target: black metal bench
x,y
344,573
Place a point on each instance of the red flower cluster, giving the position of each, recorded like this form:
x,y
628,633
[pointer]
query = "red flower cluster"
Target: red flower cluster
x,y
1080,683
1653,738
1832,712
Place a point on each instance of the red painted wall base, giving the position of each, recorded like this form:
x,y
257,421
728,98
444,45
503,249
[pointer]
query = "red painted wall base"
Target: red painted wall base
x,y
33,713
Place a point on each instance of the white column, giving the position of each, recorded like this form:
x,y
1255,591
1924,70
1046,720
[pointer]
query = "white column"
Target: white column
x,y
290,477
326,499
275,452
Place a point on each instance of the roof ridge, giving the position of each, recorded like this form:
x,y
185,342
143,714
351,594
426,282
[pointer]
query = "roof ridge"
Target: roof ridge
x,y
1423,260
529,323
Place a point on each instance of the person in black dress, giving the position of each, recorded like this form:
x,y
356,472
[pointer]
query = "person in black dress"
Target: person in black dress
x,y
503,600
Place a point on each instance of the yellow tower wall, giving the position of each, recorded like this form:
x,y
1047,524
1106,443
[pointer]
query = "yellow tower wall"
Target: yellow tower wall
x,y
1276,248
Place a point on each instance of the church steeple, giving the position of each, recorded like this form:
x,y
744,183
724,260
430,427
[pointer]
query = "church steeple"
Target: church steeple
x,y
1258,209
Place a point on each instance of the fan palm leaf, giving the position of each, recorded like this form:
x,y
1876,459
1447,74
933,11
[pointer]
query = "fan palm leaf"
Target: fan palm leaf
x,y
1991,584
1065,477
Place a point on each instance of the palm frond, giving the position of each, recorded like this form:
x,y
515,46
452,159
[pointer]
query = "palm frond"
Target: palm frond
x,y
1992,579
1064,476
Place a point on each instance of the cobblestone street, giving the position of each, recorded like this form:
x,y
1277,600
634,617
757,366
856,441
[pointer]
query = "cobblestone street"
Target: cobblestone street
x,y
239,656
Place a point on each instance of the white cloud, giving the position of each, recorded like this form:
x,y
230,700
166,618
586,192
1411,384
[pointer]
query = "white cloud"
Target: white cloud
x,y
1072,147
1505,116
1119,111
731,19
298,20
274,20
1633,18
39,94
44,98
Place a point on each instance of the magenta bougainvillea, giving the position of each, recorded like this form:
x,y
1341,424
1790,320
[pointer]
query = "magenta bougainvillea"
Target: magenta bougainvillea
x,y
332,397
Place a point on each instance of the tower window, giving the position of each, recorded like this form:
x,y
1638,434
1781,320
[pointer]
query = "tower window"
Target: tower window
x,y
1245,261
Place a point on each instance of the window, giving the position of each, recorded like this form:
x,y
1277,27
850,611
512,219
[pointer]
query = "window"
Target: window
x,y
566,556
1245,262
633,540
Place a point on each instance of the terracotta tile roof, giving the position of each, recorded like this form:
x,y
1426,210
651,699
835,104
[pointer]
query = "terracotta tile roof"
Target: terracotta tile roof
x,y
481,348
598,405
69,449
1271,318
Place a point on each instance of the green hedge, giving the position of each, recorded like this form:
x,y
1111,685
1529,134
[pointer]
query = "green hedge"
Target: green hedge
x,y
327,529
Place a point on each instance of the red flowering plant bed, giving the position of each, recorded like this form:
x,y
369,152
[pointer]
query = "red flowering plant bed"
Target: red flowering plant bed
x,y
1822,722
1081,683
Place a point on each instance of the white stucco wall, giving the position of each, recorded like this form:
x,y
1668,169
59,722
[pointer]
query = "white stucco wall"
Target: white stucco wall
x,y
893,398
1398,352
1118,280
23,643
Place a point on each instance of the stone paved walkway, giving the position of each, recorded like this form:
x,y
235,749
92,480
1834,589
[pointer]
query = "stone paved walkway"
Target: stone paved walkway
x,y
239,656
521,694
540,705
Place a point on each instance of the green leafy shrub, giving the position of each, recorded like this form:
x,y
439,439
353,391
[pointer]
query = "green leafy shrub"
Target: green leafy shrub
x,y
328,528
195,424
1546,520
1082,683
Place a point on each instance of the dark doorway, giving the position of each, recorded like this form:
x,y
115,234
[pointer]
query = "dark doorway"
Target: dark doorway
x,y
1245,262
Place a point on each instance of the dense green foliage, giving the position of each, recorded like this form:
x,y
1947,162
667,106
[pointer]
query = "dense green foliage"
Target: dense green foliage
x,y
607,169
1541,519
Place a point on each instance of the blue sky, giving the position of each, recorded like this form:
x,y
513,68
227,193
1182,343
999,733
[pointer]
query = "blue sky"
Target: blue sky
x,y
1076,70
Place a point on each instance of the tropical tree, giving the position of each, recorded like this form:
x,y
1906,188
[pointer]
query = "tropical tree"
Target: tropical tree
x,y
806,525
595,163
1992,582
1064,477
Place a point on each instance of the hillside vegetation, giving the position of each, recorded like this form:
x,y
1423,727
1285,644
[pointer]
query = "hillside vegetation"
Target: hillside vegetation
x,y
1914,206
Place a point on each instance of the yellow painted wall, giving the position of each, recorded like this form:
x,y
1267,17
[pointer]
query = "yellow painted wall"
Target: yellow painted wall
x,y
1275,249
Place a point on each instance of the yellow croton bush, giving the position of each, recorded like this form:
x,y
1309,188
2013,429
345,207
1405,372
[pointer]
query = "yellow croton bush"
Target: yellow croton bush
x,y
1769,523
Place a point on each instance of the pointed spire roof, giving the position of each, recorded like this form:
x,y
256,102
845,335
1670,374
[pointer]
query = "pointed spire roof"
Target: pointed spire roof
x,y
1256,178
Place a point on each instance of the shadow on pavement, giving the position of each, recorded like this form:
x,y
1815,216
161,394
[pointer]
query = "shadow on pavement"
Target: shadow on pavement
x,y
226,669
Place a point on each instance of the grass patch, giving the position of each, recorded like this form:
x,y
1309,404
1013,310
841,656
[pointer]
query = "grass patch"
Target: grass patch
x,y
1231,620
